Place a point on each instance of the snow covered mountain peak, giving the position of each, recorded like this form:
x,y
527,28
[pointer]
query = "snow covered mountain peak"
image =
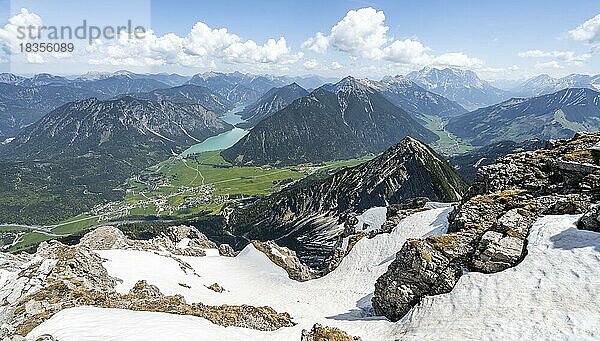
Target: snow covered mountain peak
x,y
462,86
447,77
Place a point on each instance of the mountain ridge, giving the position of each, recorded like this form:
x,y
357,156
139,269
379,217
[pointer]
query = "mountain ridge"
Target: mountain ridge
x,y
271,102
306,218
461,86
552,116
354,121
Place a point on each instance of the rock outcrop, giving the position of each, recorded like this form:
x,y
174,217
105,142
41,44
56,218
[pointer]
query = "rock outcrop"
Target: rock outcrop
x,y
12,262
226,250
105,238
178,240
488,230
59,276
590,220
286,259
216,287
57,269
325,333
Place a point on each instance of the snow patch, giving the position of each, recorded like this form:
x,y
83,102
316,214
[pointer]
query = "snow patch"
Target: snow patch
x,y
182,244
8,140
371,219
341,299
552,294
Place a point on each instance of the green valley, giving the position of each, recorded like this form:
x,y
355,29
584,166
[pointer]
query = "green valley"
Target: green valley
x,y
176,189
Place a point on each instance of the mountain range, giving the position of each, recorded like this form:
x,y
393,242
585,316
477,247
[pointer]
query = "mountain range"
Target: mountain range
x,y
552,116
462,86
414,99
188,94
544,84
117,127
341,121
270,103
81,153
247,88
20,106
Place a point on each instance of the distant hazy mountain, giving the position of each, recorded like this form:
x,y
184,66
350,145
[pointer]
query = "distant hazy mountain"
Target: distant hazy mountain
x,y
248,88
414,99
544,84
10,78
349,122
309,82
270,103
462,86
21,106
306,217
236,87
506,84
552,116
43,79
171,79
189,94
118,84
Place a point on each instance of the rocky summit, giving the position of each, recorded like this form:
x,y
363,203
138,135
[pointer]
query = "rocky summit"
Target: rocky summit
x,y
488,229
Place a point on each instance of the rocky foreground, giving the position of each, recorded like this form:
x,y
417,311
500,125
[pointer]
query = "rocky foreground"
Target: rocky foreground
x,y
59,276
488,230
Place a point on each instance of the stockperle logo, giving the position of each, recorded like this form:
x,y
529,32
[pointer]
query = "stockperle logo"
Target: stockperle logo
x,y
83,31
38,38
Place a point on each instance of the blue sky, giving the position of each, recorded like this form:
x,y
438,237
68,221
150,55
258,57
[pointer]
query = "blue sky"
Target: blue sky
x,y
497,39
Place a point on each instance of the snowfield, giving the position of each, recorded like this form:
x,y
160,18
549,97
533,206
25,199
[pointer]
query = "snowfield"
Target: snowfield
x,y
552,294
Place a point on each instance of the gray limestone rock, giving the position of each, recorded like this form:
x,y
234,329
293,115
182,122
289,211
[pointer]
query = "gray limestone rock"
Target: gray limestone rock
x,y
590,220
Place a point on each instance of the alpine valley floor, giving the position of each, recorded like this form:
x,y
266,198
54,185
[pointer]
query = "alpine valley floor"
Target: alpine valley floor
x,y
552,294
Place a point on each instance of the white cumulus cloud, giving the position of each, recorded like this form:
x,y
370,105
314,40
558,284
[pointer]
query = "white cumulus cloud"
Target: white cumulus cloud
x,y
336,66
318,43
558,57
588,31
360,33
406,51
363,33
553,64
202,46
11,38
311,64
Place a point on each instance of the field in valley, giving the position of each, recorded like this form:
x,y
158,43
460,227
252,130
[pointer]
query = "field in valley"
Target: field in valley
x,y
178,188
